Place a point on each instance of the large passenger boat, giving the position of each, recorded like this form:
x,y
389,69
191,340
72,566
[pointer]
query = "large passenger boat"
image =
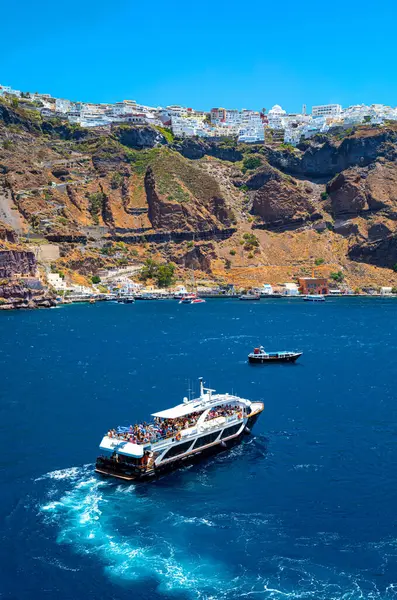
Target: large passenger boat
x,y
177,436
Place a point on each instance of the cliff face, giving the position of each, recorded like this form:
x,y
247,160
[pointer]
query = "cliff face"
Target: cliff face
x,y
358,190
16,262
88,188
280,203
7,234
138,137
15,259
195,149
328,158
382,252
183,198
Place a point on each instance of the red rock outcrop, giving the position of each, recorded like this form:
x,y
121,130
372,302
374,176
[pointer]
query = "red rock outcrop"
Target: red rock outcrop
x,y
358,190
279,204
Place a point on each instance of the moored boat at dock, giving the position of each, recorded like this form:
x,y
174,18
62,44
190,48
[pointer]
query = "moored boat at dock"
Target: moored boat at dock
x,y
314,298
179,435
250,296
127,300
260,356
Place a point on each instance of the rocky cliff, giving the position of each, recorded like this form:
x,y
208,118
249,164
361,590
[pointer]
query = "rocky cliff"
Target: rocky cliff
x,y
331,200
181,197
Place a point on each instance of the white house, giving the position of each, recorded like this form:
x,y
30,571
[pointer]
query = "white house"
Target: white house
x,y
385,291
266,289
56,281
290,289
325,110
62,105
275,117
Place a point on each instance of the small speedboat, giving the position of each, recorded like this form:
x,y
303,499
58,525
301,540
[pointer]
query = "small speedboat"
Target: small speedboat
x,y
250,296
314,298
259,355
197,301
188,299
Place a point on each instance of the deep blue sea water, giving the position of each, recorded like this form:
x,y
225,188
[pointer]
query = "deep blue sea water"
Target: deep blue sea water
x,y
305,508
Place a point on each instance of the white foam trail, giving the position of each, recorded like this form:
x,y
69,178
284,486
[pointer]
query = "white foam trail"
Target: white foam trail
x,y
79,513
87,511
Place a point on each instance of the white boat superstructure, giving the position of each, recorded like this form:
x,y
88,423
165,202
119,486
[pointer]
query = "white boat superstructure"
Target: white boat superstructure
x,y
203,424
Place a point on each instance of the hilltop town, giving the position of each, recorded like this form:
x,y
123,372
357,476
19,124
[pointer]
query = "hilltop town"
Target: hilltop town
x,y
245,125
93,196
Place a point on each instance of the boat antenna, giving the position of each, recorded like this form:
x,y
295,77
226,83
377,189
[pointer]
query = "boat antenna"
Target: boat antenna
x,y
201,380
189,390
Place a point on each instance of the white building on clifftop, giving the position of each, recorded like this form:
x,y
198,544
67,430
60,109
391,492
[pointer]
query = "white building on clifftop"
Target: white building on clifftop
x,y
326,110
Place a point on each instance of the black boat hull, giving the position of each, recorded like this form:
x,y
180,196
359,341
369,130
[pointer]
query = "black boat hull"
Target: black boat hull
x,y
109,467
262,360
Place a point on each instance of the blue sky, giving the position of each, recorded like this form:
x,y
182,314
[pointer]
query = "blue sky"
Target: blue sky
x,y
203,54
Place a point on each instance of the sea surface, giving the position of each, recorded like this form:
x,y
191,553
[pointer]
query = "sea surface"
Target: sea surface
x,y
305,507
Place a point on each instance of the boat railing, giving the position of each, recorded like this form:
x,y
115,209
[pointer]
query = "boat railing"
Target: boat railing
x,y
185,434
192,432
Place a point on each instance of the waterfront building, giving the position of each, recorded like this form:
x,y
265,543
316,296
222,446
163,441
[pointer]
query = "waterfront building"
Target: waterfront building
x,y
313,285
266,289
386,291
290,289
56,281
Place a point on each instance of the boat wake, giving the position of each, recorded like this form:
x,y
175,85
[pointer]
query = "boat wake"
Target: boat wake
x,y
144,533
89,514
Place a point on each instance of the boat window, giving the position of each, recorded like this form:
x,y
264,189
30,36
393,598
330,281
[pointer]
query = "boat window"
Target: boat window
x,y
206,439
230,430
179,449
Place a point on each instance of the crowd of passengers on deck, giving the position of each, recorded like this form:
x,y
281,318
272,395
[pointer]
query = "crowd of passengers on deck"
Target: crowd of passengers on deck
x,y
143,433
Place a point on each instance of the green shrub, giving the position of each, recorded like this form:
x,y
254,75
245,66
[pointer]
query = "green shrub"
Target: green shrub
x,y
162,273
232,252
395,267
116,180
95,279
337,276
251,162
165,275
324,195
319,261
250,241
95,202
